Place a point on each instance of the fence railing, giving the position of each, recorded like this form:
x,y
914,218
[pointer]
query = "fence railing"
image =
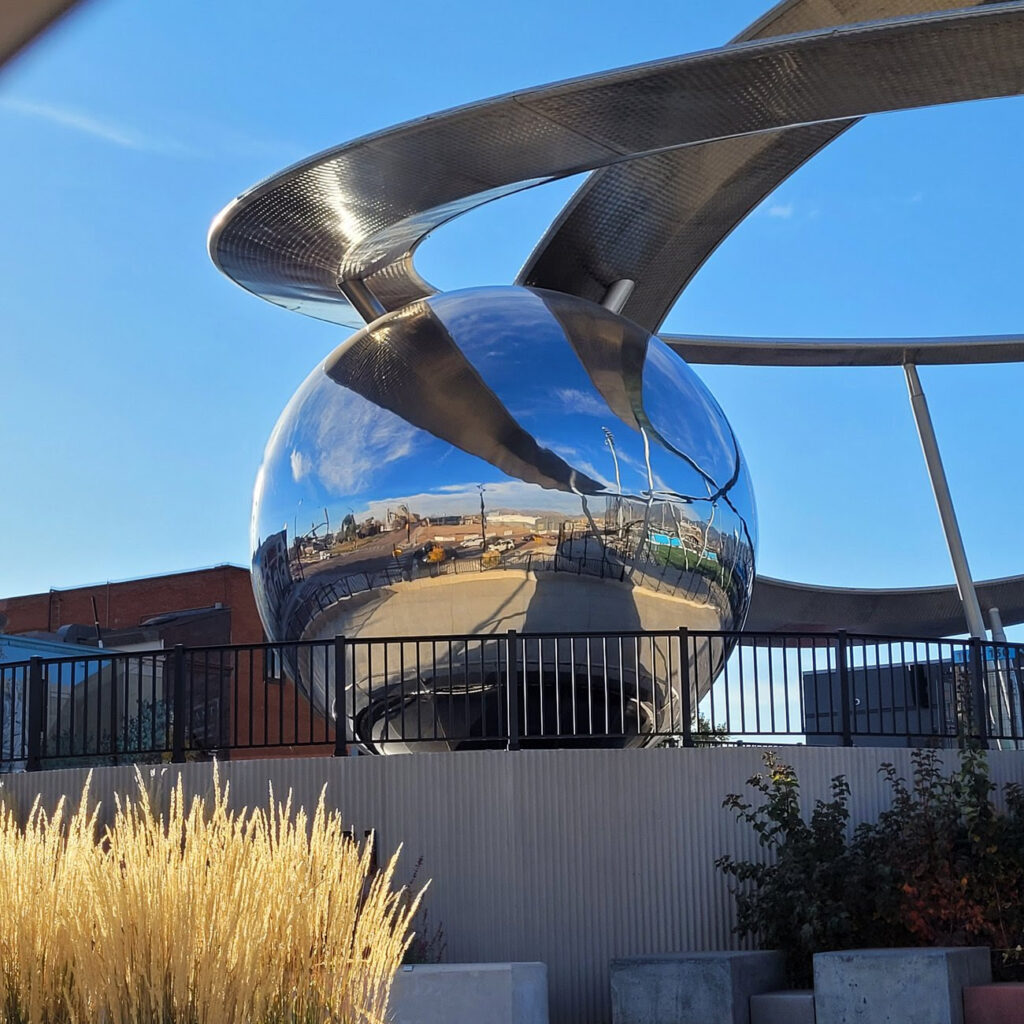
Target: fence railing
x,y
510,690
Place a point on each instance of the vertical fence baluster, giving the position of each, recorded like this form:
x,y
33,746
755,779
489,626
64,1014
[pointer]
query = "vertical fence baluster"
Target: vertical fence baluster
x,y
511,689
178,710
36,714
340,714
845,696
684,689
979,693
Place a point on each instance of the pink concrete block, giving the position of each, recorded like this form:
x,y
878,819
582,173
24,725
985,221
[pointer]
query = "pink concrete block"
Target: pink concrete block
x,y
994,1004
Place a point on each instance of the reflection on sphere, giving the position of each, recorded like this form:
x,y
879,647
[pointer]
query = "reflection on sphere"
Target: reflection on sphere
x,y
495,459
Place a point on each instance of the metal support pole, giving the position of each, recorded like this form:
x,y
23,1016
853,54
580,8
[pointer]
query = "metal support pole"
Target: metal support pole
x,y
1006,680
940,488
995,621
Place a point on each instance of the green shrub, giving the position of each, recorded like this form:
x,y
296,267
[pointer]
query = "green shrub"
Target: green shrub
x,y
942,866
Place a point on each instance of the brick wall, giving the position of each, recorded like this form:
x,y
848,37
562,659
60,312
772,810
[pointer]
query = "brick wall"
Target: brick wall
x,y
127,603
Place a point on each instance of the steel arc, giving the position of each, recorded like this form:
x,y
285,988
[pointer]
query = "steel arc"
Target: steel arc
x,y
357,212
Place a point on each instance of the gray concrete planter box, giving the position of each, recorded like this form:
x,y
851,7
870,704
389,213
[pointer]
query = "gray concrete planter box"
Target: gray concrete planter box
x,y
692,988
897,986
512,993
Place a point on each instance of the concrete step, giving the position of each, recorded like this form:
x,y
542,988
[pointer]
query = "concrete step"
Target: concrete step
x,y
792,1006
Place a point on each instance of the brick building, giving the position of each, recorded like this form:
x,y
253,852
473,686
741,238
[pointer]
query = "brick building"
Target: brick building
x,y
128,603
201,607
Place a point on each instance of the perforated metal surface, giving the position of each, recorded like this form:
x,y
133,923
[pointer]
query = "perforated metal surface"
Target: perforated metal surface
x,y
359,211
657,220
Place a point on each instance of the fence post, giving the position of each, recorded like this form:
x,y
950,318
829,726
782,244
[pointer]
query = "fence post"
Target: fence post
x,y
845,696
178,709
113,704
684,673
36,715
340,713
979,693
511,688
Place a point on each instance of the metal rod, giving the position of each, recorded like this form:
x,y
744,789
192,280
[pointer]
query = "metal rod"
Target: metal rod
x,y
364,302
1004,680
618,294
944,501
996,622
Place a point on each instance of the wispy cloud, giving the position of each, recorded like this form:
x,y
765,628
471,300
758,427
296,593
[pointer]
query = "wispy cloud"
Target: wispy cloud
x,y
783,210
205,138
301,465
575,400
99,128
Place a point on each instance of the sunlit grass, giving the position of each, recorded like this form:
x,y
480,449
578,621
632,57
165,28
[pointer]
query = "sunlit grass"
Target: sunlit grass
x,y
199,915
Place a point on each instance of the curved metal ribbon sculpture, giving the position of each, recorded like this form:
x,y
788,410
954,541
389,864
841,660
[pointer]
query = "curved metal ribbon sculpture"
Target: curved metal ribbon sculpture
x,y
748,114
467,437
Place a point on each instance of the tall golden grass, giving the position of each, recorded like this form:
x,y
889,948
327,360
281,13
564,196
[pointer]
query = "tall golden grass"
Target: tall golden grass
x,y
199,915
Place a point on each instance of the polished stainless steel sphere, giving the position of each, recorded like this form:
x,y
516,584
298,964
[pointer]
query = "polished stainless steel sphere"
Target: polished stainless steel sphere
x,y
500,458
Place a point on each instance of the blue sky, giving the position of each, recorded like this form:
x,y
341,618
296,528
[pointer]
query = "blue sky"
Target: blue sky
x,y
139,386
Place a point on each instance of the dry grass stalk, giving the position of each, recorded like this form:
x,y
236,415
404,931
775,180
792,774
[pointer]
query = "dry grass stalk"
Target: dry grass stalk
x,y
201,915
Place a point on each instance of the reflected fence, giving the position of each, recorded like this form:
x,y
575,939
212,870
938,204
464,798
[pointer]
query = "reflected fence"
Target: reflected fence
x,y
508,691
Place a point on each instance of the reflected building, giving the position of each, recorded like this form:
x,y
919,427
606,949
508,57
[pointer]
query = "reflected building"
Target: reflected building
x,y
495,459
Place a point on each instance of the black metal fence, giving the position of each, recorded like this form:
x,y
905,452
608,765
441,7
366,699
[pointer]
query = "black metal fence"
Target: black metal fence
x,y
510,690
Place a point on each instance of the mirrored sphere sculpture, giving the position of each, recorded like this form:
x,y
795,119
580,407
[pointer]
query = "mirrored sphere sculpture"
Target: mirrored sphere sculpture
x,y
502,458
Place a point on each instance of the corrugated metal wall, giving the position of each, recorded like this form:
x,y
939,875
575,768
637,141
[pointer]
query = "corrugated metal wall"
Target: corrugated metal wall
x,y
570,857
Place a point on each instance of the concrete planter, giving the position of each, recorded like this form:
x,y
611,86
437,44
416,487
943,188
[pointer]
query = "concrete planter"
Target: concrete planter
x,y
692,988
897,986
512,993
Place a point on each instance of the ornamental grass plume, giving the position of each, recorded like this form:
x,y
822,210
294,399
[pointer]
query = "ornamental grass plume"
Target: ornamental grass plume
x,y
202,915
